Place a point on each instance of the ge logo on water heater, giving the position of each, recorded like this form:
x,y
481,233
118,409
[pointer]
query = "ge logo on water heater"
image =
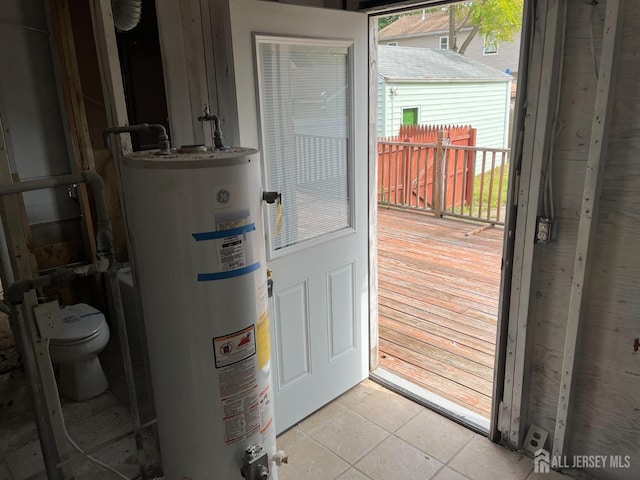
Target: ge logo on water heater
x,y
223,196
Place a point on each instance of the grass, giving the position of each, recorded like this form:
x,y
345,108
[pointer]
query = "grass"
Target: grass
x,y
489,206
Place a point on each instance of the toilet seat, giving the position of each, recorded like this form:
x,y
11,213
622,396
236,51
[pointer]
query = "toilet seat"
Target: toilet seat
x,y
82,322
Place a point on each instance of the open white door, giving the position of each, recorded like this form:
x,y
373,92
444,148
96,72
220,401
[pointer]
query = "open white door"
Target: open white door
x,y
301,77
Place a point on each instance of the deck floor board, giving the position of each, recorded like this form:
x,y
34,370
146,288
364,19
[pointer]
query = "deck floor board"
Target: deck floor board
x,y
438,304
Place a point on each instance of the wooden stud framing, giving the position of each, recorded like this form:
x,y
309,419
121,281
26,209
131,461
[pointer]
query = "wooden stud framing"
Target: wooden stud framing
x,y
112,88
192,23
588,217
74,102
108,60
23,267
198,68
182,41
224,89
541,101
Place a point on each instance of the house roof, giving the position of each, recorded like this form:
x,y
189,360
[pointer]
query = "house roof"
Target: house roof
x,y
416,25
412,64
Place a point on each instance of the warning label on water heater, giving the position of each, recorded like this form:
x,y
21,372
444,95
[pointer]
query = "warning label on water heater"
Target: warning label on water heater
x,y
234,348
240,395
231,253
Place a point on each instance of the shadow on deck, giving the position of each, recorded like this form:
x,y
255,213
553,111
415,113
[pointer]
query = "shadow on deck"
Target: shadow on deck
x,y
439,285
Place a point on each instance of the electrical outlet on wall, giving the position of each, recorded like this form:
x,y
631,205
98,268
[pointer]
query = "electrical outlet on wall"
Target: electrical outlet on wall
x,y
49,319
544,230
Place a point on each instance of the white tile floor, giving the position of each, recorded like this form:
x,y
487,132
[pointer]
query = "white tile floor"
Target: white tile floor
x,y
373,433
369,433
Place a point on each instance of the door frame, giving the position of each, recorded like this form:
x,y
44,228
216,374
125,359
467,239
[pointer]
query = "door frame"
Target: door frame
x,y
502,423
210,78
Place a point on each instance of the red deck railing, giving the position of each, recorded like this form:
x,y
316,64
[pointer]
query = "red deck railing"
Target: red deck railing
x,y
466,181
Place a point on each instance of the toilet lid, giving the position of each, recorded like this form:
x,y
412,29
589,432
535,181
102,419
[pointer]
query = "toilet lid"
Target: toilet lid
x,y
80,321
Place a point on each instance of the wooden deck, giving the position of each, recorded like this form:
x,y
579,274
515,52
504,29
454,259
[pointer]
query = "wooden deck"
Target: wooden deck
x,y
438,303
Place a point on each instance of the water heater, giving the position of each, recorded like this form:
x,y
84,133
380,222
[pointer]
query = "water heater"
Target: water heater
x,y
197,236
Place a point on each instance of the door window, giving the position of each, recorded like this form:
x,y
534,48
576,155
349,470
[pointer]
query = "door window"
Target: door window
x,y
304,89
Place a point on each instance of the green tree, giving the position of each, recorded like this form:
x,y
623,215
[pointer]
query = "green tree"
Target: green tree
x,y
384,21
499,19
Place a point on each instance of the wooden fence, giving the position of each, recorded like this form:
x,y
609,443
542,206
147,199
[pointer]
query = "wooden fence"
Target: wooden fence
x,y
410,177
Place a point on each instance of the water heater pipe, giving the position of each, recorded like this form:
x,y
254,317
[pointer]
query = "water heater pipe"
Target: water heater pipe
x,y
163,138
217,131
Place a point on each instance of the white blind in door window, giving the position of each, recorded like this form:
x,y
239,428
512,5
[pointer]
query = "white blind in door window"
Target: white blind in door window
x,y
304,95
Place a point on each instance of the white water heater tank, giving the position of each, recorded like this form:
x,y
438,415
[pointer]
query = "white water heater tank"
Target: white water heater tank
x,y
196,231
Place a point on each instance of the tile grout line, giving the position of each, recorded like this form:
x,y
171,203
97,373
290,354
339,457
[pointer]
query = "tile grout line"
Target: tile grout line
x,y
473,437
297,425
369,450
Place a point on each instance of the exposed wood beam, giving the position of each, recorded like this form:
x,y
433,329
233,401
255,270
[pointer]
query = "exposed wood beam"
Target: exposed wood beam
x,y
224,89
111,76
112,88
192,23
596,160
181,27
76,115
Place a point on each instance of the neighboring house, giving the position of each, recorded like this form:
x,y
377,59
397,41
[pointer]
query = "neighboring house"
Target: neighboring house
x,y
431,30
423,86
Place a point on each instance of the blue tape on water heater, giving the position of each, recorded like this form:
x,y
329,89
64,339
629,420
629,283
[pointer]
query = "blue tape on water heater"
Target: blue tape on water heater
x,y
224,233
208,277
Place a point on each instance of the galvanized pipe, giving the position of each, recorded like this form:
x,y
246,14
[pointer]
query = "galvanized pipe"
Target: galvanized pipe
x,y
163,138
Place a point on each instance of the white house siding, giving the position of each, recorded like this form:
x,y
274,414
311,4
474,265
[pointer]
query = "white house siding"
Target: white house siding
x,y
483,105
506,58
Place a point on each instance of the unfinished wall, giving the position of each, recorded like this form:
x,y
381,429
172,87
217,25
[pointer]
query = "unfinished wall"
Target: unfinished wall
x,y
606,418
30,108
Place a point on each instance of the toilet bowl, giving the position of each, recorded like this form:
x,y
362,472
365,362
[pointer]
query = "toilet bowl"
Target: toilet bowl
x,y
75,349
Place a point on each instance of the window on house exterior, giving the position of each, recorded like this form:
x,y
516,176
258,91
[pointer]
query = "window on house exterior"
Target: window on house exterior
x,y
490,45
444,43
392,44
410,116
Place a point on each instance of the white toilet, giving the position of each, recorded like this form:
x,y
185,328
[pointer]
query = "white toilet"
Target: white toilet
x,y
76,350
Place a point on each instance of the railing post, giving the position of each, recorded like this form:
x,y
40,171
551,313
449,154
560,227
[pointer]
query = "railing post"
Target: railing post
x,y
437,184
406,173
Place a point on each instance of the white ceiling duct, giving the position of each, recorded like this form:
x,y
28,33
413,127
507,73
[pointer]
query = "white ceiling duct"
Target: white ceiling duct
x,y
126,13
